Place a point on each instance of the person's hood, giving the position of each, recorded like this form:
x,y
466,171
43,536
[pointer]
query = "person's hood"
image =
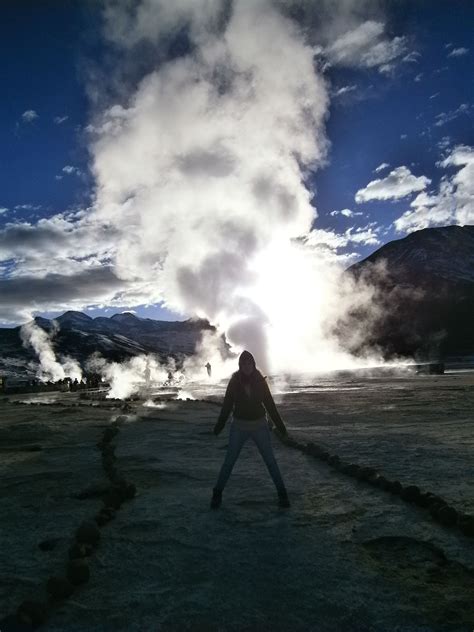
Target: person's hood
x,y
246,355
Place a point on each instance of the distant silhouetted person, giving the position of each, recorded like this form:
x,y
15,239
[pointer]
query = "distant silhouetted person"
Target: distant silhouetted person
x,y
248,397
147,373
209,368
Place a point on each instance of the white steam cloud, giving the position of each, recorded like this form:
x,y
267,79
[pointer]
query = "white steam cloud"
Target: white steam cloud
x,y
50,368
202,169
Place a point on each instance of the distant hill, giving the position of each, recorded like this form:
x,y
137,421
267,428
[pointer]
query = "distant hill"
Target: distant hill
x,y
424,295
117,338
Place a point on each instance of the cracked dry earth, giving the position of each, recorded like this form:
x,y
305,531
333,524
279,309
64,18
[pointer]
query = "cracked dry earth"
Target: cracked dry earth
x,y
344,557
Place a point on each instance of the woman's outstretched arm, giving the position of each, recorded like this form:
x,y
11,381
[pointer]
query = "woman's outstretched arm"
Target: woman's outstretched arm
x,y
271,409
226,407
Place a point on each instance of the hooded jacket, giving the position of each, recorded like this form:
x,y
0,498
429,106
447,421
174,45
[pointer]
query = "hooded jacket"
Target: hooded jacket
x,y
248,397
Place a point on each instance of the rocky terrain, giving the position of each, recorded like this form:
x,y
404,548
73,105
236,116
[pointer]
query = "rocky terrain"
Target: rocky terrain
x,y
348,555
424,298
117,338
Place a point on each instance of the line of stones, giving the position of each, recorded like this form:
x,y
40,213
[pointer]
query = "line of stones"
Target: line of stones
x,y
439,508
33,613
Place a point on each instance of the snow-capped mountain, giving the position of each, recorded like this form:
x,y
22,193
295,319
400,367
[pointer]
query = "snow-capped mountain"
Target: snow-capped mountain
x,y
117,338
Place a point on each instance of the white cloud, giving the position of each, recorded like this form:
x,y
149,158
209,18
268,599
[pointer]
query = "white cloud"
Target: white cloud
x,y
454,201
398,184
60,119
446,117
3,209
444,143
381,167
418,76
70,170
458,52
346,212
28,207
366,46
344,90
414,56
29,116
328,239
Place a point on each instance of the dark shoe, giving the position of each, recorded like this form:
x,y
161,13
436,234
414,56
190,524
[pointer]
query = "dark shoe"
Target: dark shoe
x,y
283,500
216,498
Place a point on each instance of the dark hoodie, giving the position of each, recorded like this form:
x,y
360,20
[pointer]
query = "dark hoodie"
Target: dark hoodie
x,y
248,397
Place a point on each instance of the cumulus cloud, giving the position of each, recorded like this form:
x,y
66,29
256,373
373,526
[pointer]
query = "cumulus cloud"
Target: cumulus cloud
x,y
367,46
381,167
29,116
398,184
454,201
458,52
3,209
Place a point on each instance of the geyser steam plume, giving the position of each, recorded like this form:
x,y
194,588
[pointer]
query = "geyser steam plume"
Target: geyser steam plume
x,y
50,368
202,166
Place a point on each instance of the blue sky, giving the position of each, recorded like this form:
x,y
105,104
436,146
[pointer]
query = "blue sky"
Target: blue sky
x,y
403,99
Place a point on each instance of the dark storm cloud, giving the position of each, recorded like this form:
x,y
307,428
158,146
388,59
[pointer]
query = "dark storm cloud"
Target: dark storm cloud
x,y
22,293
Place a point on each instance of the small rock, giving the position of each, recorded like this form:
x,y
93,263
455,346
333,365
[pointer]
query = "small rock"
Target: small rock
x,y
49,544
113,498
78,571
447,515
93,491
395,487
101,519
79,550
130,491
435,507
31,612
88,533
410,493
466,524
423,499
365,473
59,587
353,469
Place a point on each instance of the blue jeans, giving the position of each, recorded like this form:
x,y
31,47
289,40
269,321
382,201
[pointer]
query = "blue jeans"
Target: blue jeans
x,y
240,431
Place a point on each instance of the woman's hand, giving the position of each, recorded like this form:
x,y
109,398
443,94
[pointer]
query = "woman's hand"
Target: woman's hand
x,y
218,427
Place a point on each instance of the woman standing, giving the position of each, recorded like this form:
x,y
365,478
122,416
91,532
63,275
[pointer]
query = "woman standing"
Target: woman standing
x,y
248,397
